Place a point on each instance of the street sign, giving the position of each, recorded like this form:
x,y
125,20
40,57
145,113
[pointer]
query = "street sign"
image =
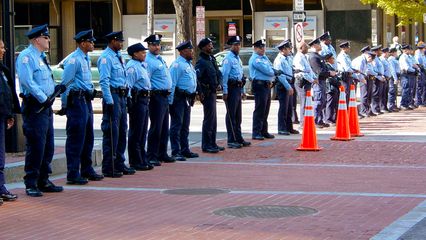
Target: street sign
x,y
299,16
298,33
299,5
200,23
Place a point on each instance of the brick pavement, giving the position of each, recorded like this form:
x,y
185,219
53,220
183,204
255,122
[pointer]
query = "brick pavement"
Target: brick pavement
x,y
358,188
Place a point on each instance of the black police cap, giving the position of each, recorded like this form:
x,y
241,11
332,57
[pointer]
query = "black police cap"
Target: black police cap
x,y
392,50
115,36
328,56
315,41
385,50
135,48
376,48
86,35
234,40
325,36
184,45
284,44
204,42
344,44
405,46
153,38
259,43
365,49
42,30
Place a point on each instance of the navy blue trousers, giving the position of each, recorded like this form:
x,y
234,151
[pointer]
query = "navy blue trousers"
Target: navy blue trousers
x,y
406,90
119,131
138,128
392,94
293,100
331,106
158,134
262,104
376,95
384,98
180,117
40,145
285,110
319,101
79,143
366,90
208,138
233,115
420,90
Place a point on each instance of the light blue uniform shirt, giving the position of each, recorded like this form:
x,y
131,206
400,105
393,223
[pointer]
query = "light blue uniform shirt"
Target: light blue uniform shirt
x,y
406,63
281,63
344,63
378,68
260,68
76,73
137,75
395,65
183,76
420,57
326,49
35,76
111,73
158,72
360,64
232,68
300,62
386,68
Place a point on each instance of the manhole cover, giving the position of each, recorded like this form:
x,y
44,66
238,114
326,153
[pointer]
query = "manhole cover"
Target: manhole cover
x,y
265,211
196,191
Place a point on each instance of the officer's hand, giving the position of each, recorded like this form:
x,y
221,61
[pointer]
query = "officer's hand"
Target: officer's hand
x,y
219,87
332,73
290,92
364,81
110,108
225,97
201,97
61,112
60,88
315,81
129,105
10,122
243,96
277,72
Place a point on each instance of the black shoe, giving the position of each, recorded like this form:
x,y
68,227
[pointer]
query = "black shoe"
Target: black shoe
x,y
93,177
371,114
283,133
405,108
258,137
234,145
33,192
296,122
292,131
77,181
362,115
128,171
319,126
190,155
155,163
245,143
50,187
8,197
140,167
220,148
326,125
179,157
211,150
114,174
267,135
167,159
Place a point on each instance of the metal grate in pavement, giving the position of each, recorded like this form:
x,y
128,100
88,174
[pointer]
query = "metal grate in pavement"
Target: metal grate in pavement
x,y
265,211
196,191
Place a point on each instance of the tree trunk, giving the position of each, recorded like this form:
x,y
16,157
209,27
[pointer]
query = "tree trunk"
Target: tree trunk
x,y
184,20
150,17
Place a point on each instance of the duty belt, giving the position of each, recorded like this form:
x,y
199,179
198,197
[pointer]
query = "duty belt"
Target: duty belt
x,y
232,83
140,93
121,91
89,95
182,93
164,93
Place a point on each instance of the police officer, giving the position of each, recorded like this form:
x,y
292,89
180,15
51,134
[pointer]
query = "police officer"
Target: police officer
x,y
419,55
9,105
393,82
77,105
37,87
161,84
304,77
408,75
378,82
263,75
319,89
293,99
112,78
181,99
209,80
284,89
233,92
326,46
361,65
386,76
138,81
344,66
332,90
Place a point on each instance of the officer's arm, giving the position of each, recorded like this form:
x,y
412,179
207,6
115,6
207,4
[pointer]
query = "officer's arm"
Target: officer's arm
x,y
317,67
174,74
280,65
226,69
199,70
68,75
263,68
25,73
104,67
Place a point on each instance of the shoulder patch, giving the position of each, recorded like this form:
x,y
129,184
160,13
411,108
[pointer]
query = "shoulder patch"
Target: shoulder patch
x,y
225,61
25,59
71,61
175,65
258,60
103,61
130,70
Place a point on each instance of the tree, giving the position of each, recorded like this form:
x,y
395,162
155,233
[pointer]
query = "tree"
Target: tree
x,y
183,19
408,11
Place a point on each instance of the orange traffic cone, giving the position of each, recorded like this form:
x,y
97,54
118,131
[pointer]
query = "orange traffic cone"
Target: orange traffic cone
x,y
309,135
353,115
342,123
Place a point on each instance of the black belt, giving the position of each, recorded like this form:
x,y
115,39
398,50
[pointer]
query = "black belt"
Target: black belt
x,y
140,93
122,91
164,93
232,83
